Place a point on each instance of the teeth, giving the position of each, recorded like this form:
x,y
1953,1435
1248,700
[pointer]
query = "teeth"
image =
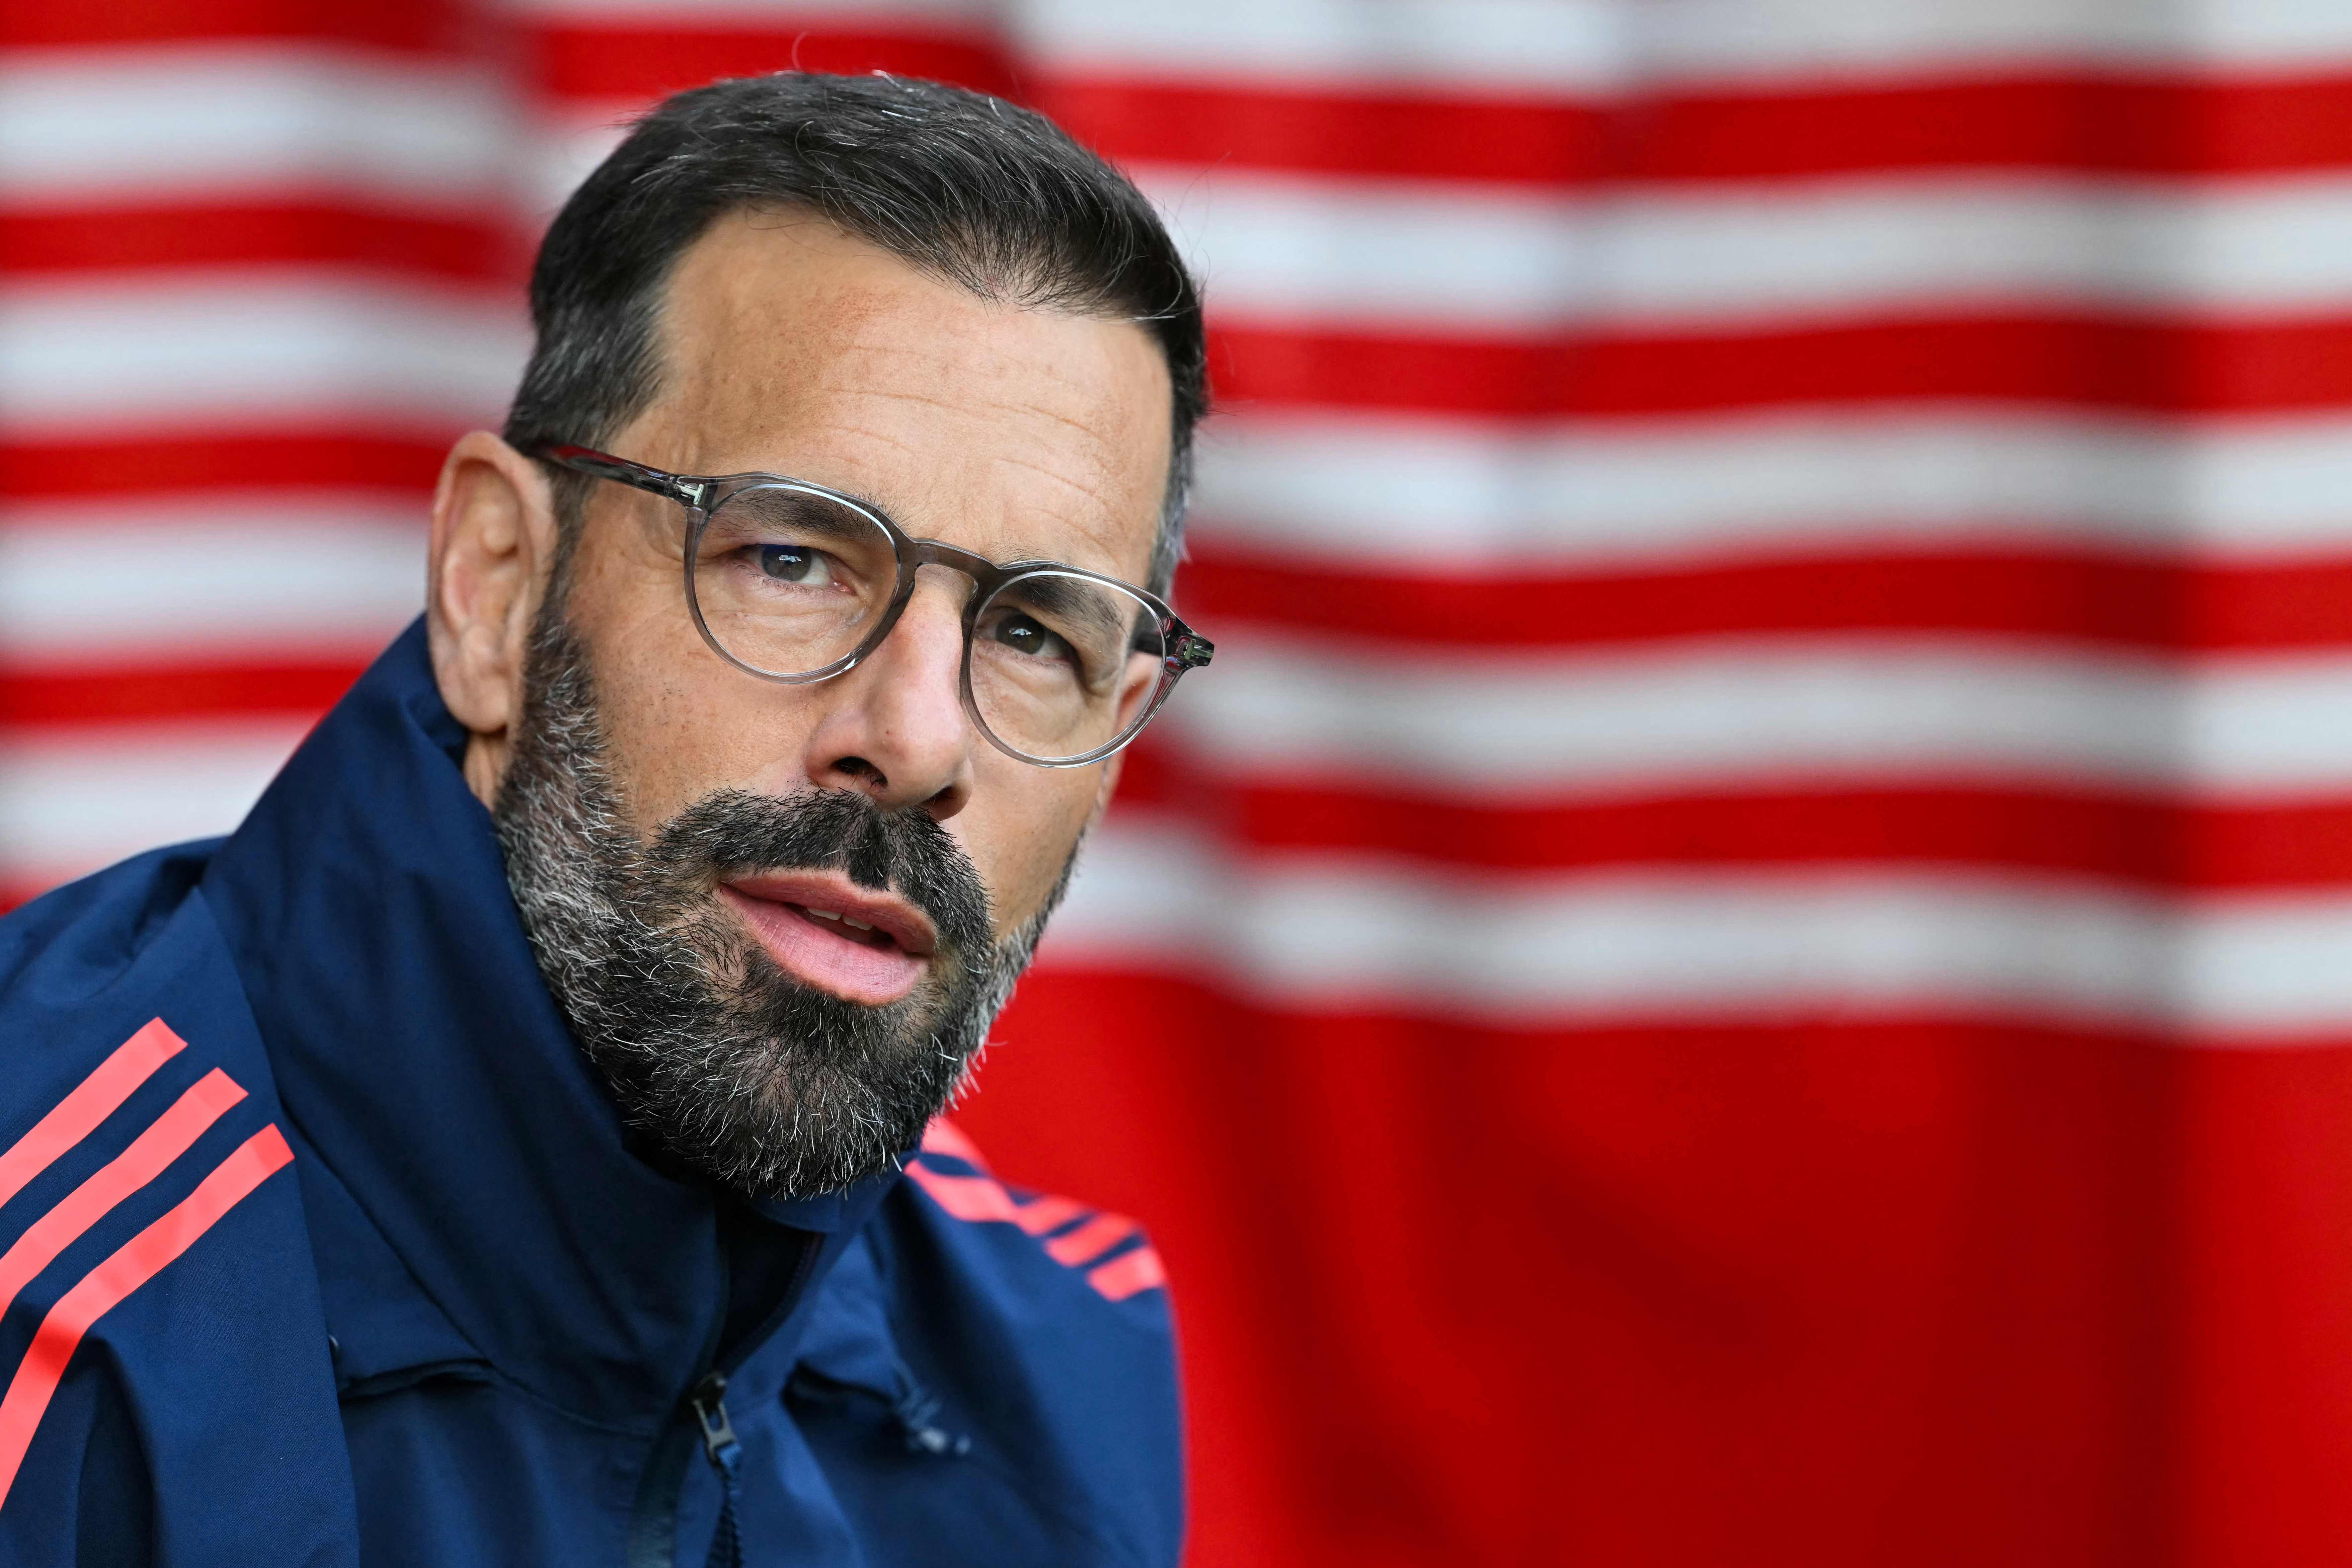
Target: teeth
x,y
854,925
824,914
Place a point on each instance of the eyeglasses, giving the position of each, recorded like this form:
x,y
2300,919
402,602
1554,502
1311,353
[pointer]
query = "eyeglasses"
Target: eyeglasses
x,y
791,581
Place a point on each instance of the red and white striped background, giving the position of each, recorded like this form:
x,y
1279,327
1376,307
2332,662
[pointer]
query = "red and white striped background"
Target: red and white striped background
x,y
1746,954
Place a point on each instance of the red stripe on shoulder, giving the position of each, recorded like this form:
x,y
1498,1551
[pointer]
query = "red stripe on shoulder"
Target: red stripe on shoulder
x,y
982,1199
104,1288
92,1100
975,1199
1129,1274
148,1155
1090,1240
944,1137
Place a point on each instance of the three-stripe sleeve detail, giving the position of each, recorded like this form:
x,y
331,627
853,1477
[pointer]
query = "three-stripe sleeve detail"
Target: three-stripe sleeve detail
x,y
145,1255
1076,1236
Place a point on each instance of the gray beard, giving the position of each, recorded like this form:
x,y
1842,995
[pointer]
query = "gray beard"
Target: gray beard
x,y
769,1085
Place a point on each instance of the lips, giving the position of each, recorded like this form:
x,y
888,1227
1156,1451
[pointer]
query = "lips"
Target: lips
x,y
826,931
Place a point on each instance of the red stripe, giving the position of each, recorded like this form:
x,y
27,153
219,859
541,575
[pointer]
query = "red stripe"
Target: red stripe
x,y
1420,135
982,1199
2186,124
945,1137
140,1259
2108,599
92,1100
2182,125
1090,1240
228,459
2188,845
640,64
292,231
2119,121
1046,1212
1128,1273
170,1136
2207,367
977,1199
436,25
198,688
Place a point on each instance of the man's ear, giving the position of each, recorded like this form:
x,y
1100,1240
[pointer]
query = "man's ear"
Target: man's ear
x,y
494,540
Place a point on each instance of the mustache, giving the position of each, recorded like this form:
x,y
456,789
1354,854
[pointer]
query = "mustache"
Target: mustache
x,y
736,832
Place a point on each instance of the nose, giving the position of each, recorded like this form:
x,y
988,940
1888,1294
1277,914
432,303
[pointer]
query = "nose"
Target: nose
x,y
895,727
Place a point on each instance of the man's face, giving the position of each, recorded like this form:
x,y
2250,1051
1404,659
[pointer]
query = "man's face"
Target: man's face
x,y
712,811
792,348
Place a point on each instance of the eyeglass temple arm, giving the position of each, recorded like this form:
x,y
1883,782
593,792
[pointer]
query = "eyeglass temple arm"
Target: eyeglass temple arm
x,y
605,465
1191,650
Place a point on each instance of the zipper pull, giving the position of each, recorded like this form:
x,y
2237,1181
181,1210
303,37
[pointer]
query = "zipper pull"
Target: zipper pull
x,y
710,1414
726,1456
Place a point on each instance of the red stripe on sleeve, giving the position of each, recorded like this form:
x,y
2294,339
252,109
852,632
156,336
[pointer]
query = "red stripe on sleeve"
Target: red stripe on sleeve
x,y
979,1199
138,1261
128,1172
92,1102
973,1198
1090,1240
944,1137
1039,1215
1128,1273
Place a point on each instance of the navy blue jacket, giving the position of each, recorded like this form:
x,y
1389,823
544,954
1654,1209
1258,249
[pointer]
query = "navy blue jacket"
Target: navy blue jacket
x,y
323,1246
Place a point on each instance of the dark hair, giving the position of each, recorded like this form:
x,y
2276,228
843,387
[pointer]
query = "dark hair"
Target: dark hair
x,y
966,187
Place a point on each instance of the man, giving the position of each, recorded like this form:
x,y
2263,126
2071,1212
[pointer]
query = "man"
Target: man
x,y
491,1153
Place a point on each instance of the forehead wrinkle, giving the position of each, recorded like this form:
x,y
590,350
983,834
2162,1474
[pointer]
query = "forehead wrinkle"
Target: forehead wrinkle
x,y
978,400
1090,521
758,356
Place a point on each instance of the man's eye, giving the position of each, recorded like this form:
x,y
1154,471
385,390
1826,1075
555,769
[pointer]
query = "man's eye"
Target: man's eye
x,y
793,563
1022,634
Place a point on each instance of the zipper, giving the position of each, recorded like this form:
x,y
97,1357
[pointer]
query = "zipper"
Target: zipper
x,y
726,1456
652,1521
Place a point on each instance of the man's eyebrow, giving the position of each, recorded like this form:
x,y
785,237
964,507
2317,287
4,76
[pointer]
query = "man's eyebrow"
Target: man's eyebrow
x,y
870,504
844,491
866,501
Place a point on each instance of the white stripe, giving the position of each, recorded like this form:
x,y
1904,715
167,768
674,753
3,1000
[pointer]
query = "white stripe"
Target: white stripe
x,y
1622,946
74,800
1725,947
1554,47
1750,38
212,578
1441,495
1587,48
217,349
2274,965
1406,256
182,122
687,14
1459,258
566,149
1797,713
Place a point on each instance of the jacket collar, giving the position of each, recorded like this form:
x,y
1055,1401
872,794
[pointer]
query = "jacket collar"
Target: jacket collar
x,y
423,1061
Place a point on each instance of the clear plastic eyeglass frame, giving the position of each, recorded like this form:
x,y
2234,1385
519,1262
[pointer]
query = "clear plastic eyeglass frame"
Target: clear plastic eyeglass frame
x,y
702,495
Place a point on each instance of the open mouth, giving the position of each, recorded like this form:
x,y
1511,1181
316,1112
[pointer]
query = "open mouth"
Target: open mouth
x,y
858,945
847,927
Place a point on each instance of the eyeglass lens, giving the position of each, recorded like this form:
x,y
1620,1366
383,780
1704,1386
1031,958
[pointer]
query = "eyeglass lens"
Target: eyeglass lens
x,y
789,581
